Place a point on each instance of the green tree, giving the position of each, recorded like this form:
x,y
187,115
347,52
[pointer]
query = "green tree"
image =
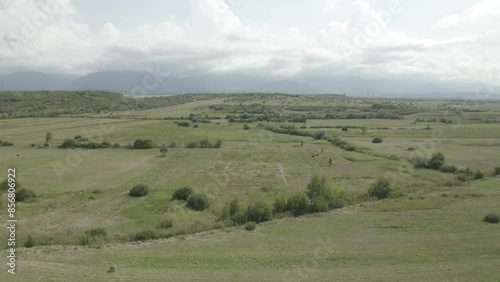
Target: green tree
x,y
316,187
437,161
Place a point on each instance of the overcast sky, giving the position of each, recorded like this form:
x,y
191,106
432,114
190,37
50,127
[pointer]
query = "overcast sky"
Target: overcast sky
x,y
447,40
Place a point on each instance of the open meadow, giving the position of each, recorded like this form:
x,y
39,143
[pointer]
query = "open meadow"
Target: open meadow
x,y
253,158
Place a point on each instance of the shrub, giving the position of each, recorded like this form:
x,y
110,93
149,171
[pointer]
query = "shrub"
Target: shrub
x,y
195,126
478,175
437,161
218,144
143,144
463,177
145,235
30,242
233,212
496,171
419,162
165,224
297,204
97,232
184,124
319,135
246,127
6,143
23,195
339,198
449,168
491,218
381,189
279,205
139,190
68,143
84,240
182,193
205,143
259,212
191,145
318,204
197,202
377,140
250,226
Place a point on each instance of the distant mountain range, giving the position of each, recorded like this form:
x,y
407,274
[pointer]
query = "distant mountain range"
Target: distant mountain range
x,y
130,82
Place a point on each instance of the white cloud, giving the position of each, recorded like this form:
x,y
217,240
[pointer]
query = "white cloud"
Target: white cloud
x,y
480,13
330,7
216,40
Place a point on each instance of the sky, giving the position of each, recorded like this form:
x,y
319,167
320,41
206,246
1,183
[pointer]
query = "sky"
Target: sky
x,y
435,40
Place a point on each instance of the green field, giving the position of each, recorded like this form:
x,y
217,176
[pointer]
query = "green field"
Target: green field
x,y
432,230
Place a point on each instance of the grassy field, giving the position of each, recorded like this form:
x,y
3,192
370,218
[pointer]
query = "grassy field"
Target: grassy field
x,y
433,231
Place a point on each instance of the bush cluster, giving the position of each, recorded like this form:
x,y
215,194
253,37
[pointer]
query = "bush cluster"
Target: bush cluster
x,y
319,197
139,190
204,144
6,143
184,124
82,142
143,144
438,162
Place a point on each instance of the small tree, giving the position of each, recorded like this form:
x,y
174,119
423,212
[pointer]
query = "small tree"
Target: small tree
x,y
197,202
381,189
316,187
139,190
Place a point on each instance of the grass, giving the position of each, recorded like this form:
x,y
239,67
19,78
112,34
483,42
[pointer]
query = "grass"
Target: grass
x,y
423,234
